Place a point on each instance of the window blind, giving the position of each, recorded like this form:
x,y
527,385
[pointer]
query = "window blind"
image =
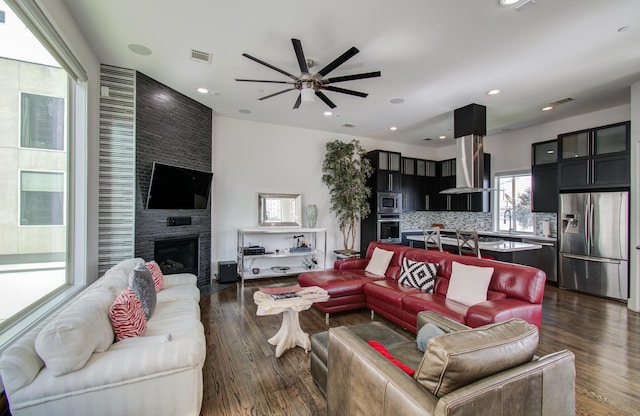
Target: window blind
x,y
37,22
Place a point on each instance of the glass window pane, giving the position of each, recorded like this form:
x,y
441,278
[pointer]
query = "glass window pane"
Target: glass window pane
x,y
514,203
575,145
42,198
611,140
41,122
545,153
33,100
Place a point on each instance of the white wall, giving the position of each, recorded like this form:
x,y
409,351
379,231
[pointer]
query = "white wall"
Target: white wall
x,y
250,157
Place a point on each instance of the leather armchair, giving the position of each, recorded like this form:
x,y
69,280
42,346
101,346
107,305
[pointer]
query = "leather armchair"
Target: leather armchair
x,y
360,381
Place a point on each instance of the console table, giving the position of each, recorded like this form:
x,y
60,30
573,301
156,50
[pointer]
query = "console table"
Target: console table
x,y
282,256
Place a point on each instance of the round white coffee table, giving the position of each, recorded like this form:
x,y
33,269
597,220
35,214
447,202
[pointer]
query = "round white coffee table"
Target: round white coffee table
x,y
290,334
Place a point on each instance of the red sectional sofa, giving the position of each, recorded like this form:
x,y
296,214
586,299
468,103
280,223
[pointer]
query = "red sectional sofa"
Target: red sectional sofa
x,y
515,291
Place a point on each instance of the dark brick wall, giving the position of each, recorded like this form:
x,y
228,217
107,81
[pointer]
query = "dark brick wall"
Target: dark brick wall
x,y
176,130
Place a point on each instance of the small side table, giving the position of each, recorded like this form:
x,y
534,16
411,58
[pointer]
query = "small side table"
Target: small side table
x,y
290,334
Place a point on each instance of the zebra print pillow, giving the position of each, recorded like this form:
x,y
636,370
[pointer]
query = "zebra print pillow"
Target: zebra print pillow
x,y
418,274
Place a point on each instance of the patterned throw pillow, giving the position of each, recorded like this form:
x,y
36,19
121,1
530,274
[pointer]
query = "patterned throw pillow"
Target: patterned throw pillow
x,y
127,316
156,273
418,274
141,282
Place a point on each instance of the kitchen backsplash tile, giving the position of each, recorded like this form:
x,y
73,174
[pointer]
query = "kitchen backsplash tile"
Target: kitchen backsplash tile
x,y
467,220
461,220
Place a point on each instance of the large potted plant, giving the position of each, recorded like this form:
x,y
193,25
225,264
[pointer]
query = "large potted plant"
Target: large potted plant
x,y
345,172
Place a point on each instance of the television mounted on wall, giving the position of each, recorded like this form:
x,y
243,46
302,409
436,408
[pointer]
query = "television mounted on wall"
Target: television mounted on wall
x,y
174,187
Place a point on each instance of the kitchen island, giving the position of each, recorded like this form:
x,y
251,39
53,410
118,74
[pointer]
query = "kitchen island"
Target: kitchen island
x,y
501,249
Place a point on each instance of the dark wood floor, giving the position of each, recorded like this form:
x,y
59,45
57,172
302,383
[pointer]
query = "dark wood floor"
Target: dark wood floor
x,y
242,376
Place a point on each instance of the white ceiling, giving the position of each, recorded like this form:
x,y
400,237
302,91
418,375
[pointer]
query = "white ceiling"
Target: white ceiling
x,y
437,55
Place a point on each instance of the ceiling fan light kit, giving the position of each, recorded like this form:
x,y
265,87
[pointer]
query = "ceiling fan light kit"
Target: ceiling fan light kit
x,y
311,84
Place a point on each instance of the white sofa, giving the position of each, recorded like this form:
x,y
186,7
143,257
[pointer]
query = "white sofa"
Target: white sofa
x,y
157,373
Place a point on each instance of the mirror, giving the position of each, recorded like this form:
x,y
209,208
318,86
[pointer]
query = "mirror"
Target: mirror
x,y
279,210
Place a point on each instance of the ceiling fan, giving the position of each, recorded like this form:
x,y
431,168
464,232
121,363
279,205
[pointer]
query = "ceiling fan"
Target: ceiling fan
x,y
309,84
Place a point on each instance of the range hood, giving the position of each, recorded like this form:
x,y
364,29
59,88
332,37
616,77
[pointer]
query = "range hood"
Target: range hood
x,y
469,126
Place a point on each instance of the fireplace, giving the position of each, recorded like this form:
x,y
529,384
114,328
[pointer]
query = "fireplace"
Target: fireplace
x,y
177,255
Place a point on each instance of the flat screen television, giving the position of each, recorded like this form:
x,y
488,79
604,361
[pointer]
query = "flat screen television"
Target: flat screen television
x,y
174,187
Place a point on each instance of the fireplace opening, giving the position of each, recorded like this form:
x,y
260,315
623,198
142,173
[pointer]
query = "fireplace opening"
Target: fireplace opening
x,y
177,255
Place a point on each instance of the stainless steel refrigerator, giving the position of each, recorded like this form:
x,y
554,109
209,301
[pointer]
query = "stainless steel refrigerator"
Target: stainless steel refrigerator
x,y
594,243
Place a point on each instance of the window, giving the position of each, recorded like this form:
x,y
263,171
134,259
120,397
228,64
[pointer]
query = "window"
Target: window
x,y
514,203
37,257
41,122
41,198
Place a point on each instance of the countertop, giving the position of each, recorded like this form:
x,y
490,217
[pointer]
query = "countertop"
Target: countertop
x,y
498,234
498,246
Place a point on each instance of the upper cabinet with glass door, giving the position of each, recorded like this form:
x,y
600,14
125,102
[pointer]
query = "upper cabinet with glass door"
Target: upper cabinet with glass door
x,y
595,158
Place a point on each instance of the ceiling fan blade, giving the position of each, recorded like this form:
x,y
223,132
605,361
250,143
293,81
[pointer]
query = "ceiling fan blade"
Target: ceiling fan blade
x,y
326,99
246,55
345,91
355,76
262,80
338,61
297,47
275,93
298,101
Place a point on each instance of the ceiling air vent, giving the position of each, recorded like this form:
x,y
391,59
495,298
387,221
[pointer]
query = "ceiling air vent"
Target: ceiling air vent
x,y
348,126
204,57
563,101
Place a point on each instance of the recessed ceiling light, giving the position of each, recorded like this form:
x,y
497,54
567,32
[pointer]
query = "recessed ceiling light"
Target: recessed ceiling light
x,y
442,137
202,90
547,108
139,49
328,113
393,128
244,111
551,152
397,101
493,92
507,3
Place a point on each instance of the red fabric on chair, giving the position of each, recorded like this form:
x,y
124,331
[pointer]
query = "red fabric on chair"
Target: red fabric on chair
x,y
382,350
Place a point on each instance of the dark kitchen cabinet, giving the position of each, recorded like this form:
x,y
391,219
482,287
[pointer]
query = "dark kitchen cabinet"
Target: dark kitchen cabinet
x,y
544,176
595,158
388,177
418,184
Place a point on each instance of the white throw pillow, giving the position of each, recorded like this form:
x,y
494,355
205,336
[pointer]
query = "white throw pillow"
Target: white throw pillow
x,y
379,261
468,284
69,340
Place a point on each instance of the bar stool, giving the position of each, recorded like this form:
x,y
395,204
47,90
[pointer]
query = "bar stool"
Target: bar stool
x,y
468,244
432,239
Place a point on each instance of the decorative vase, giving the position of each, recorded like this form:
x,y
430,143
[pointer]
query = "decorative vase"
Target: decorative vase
x,y
312,215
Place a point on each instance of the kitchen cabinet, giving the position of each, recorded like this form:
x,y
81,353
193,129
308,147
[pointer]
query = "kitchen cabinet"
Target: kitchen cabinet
x,y
594,158
387,166
544,176
418,184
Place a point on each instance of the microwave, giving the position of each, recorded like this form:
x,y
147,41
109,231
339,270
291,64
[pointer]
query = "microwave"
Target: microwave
x,y
389,203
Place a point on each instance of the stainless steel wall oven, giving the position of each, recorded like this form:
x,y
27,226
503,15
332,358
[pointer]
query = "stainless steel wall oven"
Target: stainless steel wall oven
x,y
389,228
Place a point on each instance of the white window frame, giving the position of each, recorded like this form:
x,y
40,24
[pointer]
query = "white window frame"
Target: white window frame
x,y
76,198
498,196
